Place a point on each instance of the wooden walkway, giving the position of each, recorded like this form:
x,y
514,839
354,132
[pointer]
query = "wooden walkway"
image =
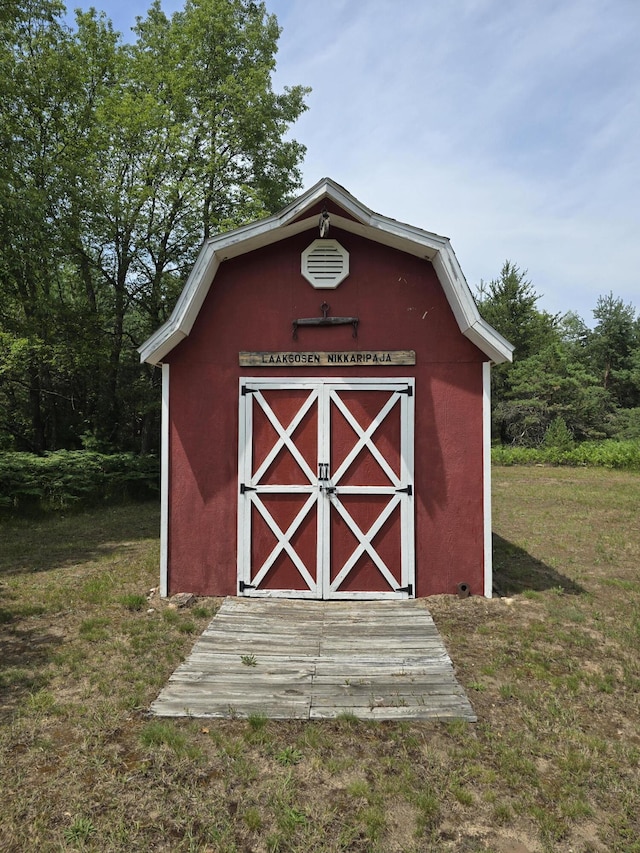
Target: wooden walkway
x,y
285,659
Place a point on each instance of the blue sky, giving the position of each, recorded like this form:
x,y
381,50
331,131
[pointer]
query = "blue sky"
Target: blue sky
x,y
513,128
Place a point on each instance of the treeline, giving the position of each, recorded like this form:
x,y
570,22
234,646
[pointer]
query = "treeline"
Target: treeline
x,y
116,161
68,479
568,383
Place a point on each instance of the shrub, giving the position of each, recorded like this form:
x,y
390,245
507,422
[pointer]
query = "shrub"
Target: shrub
x,y
133,601
65,479
603,454
558,435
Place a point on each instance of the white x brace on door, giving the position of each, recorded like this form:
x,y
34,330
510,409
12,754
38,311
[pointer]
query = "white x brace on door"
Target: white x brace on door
x,y
326,488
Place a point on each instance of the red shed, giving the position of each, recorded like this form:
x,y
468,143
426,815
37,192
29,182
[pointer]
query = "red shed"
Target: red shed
x,y
325,427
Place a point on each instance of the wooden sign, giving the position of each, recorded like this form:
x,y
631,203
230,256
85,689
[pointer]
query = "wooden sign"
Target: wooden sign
x,y
356,358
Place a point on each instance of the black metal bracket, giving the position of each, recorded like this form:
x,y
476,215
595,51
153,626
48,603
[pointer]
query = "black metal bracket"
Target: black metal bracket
x,y
408,589
326,321
244,488
408,391
408,490
242,586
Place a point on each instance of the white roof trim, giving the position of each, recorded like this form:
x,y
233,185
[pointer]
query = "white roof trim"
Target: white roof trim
x,y
366,223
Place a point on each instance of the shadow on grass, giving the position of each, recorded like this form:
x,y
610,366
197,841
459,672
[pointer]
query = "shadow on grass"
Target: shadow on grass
x,y
515,571
24,655
53,541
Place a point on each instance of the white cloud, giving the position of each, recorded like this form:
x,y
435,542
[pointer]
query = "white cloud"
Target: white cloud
x,y
512,128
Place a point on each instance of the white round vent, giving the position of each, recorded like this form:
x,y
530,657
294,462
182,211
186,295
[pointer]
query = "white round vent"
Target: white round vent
x,y
325,264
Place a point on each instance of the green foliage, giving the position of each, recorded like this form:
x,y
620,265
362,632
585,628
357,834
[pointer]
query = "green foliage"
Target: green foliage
x,y
550,385
257,722
95,629
133,601
625,423
558,435
80,831
614,349
66,479
602,454
160,733
116,160
289,755
253,819
563,372
509,304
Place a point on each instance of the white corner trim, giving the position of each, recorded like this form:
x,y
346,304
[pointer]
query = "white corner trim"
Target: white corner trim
x,y
164,485
183,316
490,341
486,478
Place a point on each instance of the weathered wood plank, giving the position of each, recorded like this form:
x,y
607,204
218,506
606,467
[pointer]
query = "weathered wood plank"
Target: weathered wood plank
x,y
386,683
273,710
225,662
358,663
258,681
364,712
315,660
432,695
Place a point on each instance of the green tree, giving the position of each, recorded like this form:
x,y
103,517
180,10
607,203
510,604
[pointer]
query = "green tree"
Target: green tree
x,y
552,386
613,349
189,143
116,161
573,333
509,304
46,90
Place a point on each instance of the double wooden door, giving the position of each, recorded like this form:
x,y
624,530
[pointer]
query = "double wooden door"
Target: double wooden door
x,y
326,488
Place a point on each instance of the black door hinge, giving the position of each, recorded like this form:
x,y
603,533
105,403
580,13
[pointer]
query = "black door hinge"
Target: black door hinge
x,y
246,390
408,490
244,488
408,589
408,391
242,586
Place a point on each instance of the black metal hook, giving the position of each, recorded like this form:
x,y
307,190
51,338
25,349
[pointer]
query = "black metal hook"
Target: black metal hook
x,y
325,320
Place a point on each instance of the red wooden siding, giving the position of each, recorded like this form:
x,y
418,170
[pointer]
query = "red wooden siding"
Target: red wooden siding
x,y
251,306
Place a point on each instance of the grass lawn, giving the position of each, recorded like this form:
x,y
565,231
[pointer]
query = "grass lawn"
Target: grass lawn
x,y
551,665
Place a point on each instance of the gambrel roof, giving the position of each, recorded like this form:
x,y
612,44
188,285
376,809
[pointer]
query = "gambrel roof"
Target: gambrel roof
x,y
302,215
